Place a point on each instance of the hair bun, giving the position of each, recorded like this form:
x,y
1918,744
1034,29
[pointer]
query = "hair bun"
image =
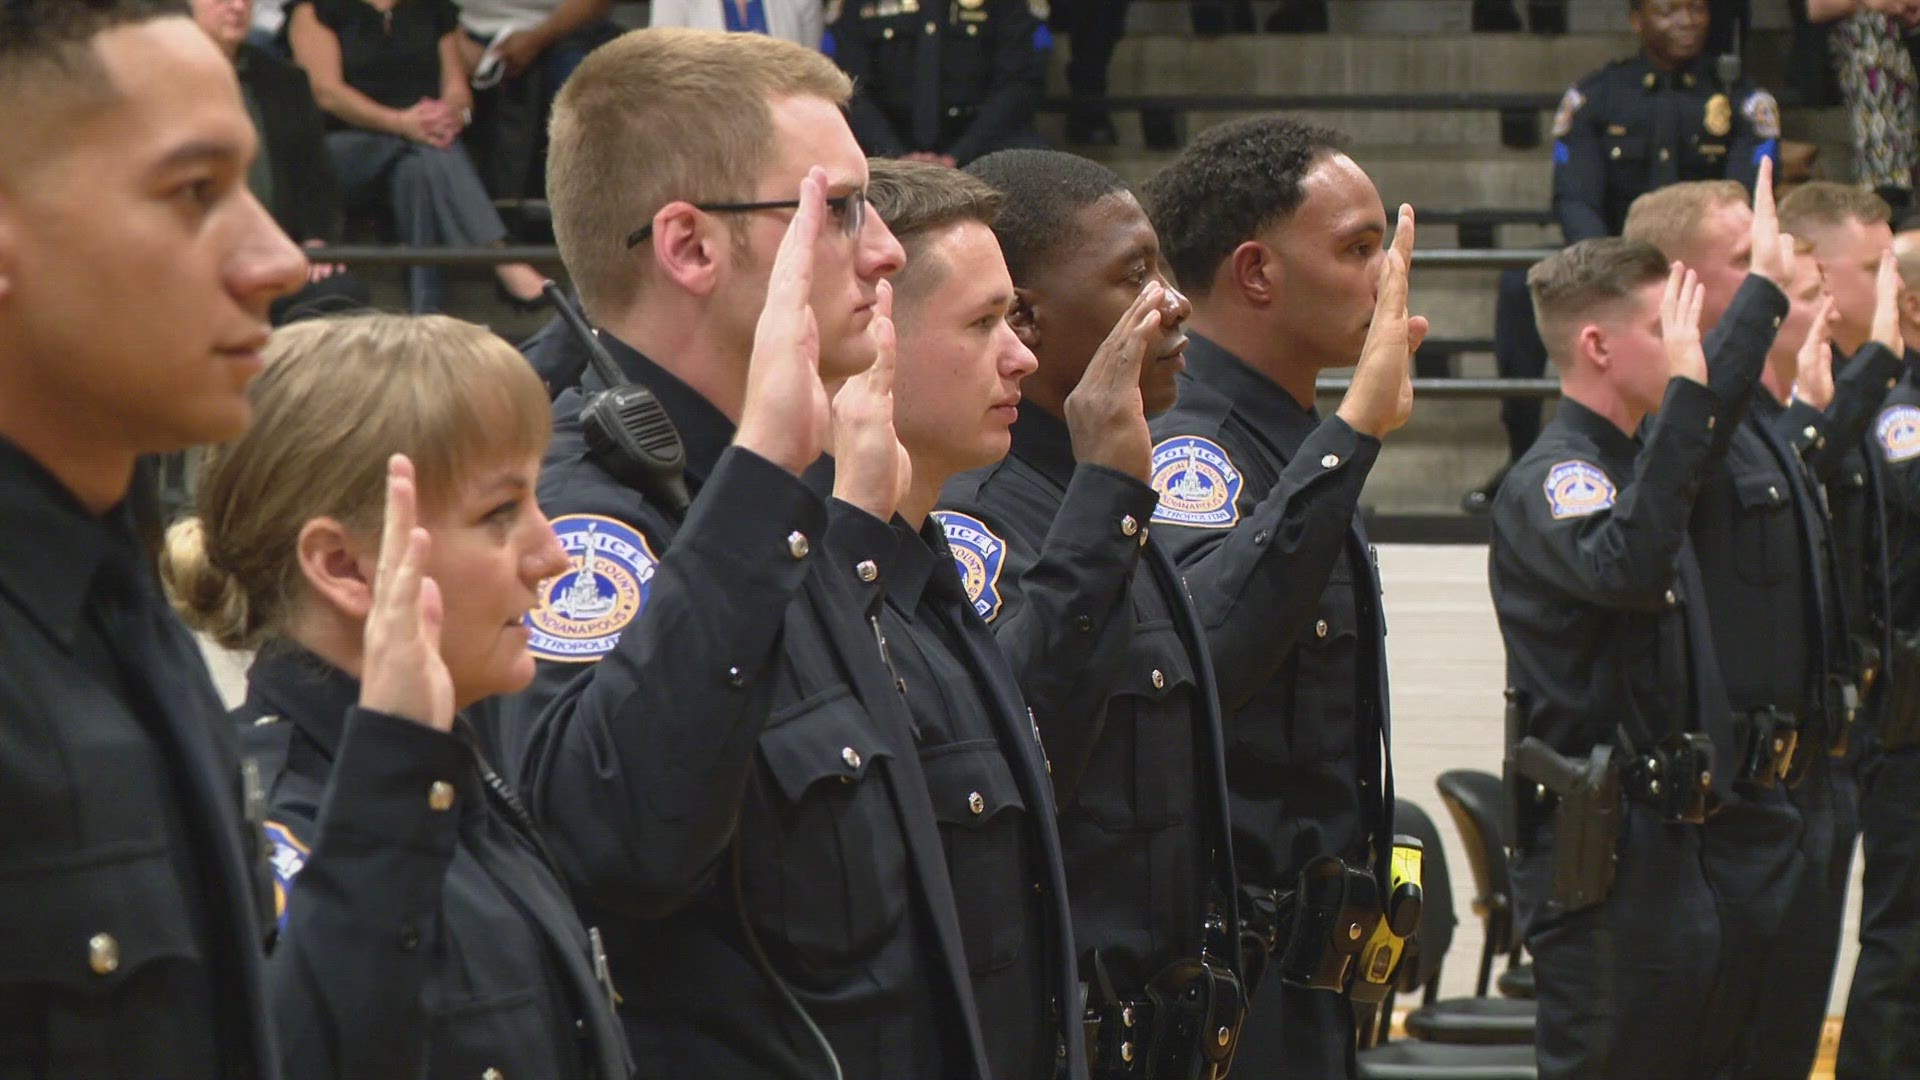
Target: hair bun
x,y
209,599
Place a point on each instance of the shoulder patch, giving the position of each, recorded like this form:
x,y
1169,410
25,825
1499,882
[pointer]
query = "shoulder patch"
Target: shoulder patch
x,y
288,858
1898,431
1763,112
1577,489
1198,483
1569,104
582,611
979,555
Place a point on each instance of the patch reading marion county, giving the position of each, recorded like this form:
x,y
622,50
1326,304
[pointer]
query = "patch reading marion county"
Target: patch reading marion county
x,y
1898,430
288,858
582,611
979,556
1197,483
1576,489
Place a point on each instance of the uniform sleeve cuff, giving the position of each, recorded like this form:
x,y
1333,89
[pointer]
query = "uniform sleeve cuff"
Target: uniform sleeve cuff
x,y
395,782
1103,507
751,510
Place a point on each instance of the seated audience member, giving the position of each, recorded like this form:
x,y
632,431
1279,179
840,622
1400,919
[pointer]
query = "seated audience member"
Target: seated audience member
x,y
971,95
520,53
421,930
390,76
292,175
800,21
1879,88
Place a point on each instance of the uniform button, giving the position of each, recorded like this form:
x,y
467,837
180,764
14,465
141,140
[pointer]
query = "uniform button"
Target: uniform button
x,y
1159,679
797,545
1128,526
1810,432
409,937
1776,322
1891,383
1665,153
977,803
1085,623
867,569
1712,420
493,1074
1615,153
1143,537
103,954
887,33
1773,493
1330,461
1672,599
1126,1051
932,28
851,756
973,31
440,796
734,678
1320,628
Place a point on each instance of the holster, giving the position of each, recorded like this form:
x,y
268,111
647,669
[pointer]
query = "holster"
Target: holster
x,y
1900,717
1185,1026
1769,741
1326,919
1586,799
1674,777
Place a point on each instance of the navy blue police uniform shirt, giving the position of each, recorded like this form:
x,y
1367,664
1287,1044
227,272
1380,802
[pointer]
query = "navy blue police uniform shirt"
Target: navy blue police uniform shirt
x,y
1057,556
1594,578
1630,128
960,77
1257,506
421,930
133,882
724,770
1895,440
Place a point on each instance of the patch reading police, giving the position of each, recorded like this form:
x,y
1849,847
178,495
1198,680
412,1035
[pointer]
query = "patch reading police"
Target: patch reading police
x,y
979,555
582,611
288,858
1719,118
1898,430
1576,489
1197,482
1763,112
1570,104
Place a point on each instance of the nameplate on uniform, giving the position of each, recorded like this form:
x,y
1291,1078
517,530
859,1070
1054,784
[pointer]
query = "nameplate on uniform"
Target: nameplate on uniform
x,y
1197,483
287,859
582,611
1898,430
1577,489
979,556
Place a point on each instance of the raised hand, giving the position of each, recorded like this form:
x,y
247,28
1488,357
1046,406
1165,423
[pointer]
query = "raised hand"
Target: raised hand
x,y
1106,415
1772,249
1887,287
1813,382
871,470
1380,399
1680,325
402,673
786,417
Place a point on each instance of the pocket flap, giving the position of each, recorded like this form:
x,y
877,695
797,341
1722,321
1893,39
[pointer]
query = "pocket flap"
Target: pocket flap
x,y
827,737
90,922
970,783
1760,490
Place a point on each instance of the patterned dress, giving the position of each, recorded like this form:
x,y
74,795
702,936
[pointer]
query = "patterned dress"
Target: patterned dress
x,y
1880,89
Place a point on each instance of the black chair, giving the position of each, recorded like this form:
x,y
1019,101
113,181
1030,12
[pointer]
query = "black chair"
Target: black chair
x,y
1478,802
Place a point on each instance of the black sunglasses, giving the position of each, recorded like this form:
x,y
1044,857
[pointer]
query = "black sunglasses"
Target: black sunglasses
x,y
851,207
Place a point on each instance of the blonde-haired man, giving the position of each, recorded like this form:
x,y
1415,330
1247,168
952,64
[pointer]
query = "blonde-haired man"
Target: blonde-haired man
x,y
717,750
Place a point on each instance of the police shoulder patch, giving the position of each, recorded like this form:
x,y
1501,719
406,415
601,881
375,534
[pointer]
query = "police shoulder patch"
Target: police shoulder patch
x,y
979,555
1197,482
1570,103
288,858
1763,112
1577,489
582,611
1898,430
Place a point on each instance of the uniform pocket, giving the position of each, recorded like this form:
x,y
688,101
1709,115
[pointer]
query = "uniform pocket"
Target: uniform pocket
x,y
90,922
494,1035
1306,715
981,815
1141,773
1763,538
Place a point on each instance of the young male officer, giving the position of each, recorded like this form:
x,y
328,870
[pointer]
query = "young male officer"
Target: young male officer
x,y
725,768
136,270
1281,241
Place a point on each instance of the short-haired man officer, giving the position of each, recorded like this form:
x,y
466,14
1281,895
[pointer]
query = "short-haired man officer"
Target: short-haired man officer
x,y
1280,239
1610,658
1661,116
1883,1006
720,757
136,272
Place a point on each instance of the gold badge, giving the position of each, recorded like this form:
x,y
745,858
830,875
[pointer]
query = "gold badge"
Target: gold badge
x,y
1719,118
973,5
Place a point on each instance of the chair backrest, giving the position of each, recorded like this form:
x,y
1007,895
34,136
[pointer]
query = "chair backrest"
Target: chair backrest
x,y
1477,800
1437,918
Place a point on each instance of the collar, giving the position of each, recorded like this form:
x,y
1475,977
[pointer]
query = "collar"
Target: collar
x,y
1617,448
704,430
1261,401
52,548
1913,366
1042,440
922,568
1697,75
291,682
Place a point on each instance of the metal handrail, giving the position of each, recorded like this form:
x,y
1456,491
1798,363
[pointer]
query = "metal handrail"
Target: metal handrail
x,y
1423,101
1462,388
405,255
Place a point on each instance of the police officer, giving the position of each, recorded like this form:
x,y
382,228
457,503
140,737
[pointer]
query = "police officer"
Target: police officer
x,y
136,272
715,746
422,930
1877,1041
960,368
1101,630
1609,645
1661,116
1280,240
941,80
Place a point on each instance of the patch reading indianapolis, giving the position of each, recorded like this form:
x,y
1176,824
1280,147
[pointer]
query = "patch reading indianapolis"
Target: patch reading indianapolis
x,y
1197,482
979,555
1576,489
289,857
1898,430
582,611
